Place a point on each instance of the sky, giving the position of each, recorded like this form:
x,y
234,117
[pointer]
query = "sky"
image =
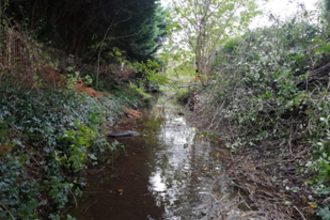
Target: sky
x,y
288,6
278,6
283,8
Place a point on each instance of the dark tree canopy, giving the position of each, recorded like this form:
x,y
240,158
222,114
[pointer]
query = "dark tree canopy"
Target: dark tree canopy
x,y
136,26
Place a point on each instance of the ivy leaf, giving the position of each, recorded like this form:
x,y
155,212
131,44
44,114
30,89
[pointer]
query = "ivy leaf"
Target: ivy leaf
x,y
54,217
324,213
22,212
32,205
324,191
53,192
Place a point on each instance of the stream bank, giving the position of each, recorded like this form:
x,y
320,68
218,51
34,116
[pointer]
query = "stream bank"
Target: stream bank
x,y
174,172
170,172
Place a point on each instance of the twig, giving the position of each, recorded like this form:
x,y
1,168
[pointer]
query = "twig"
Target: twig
x,y
66,210
302,215
34,160
234,206
89,206
100,50
12,217
290,140
74,197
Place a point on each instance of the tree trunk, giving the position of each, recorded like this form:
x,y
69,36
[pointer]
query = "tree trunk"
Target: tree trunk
x,y
200,61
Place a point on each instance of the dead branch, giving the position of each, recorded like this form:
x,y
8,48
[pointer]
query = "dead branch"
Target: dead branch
x,y
320,75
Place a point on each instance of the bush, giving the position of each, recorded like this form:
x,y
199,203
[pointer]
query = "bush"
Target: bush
x,y
260,95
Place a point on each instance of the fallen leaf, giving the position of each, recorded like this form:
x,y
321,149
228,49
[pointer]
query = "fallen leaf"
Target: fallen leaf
x,y
312,204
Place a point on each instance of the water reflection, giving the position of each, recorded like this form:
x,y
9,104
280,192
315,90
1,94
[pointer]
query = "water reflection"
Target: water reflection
x,y
183,170
169,165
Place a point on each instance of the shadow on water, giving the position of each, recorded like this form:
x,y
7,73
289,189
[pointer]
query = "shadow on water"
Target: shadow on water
x,y
169,173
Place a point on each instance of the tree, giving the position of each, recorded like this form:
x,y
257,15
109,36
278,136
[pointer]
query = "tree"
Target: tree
x,y
325,6
202,26
78,26
150,32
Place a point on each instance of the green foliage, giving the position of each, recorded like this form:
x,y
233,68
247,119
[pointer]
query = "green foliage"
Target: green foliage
x,y
265,69
135,27
152,72
204,25
210,136
139,90
183,96
178,69
150,35
5,143
261,91
325,7
58,217
231,44
50,137
319,139
78,142
18,193
324,213
114,145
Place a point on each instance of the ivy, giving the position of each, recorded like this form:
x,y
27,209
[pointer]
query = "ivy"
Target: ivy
x,y
46,139
324,213
18,193
78,141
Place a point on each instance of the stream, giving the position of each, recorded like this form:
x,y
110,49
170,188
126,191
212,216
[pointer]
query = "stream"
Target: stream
x,y
171,172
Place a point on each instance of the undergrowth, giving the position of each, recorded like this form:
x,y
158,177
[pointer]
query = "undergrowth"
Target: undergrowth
x,y
269,93
46,138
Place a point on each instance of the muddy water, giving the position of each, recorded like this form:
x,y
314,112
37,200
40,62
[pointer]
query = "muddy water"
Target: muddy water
x,y
170,173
